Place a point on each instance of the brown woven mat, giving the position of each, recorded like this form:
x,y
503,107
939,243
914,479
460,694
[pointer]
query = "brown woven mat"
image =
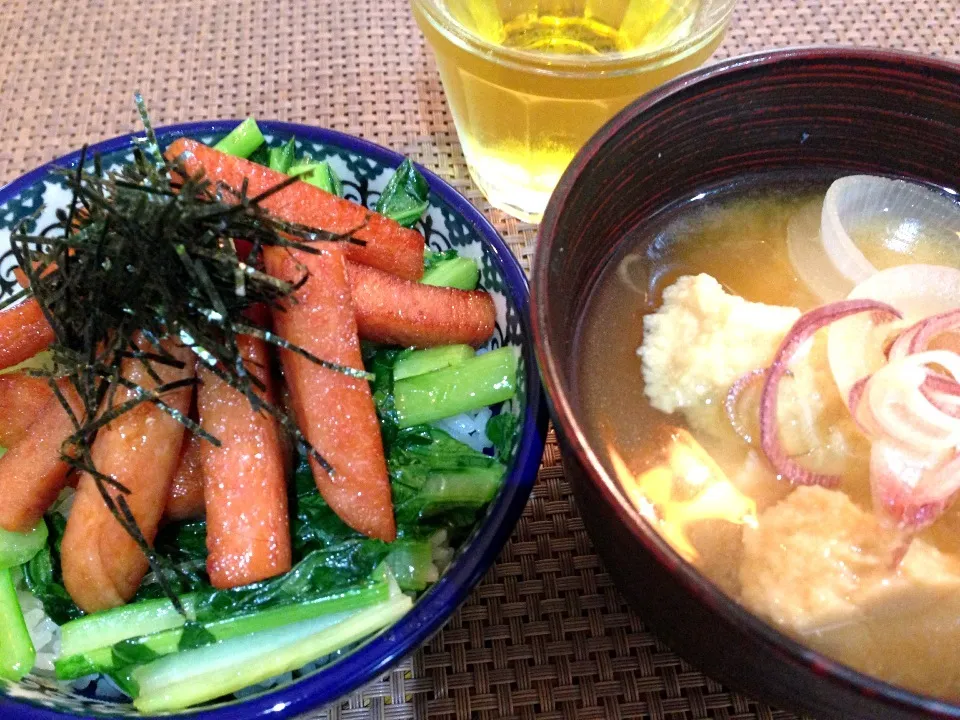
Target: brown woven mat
x,y
545,635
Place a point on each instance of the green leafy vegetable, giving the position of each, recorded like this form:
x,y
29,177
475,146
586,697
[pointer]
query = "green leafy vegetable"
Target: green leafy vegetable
x,y
432,259
406,196
502,431
184,541
18,548
315,525
44,578
440,479
192,635
319,174
459,272
320,573
281,158
183,547
184,679
242,140
381,363
261,156
124,654
17,653
411,562
483,380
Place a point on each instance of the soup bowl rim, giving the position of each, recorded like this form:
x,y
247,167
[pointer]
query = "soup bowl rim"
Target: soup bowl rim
x,y
560,393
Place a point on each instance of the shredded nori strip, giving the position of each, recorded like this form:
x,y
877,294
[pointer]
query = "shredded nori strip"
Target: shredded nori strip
x,y
148,251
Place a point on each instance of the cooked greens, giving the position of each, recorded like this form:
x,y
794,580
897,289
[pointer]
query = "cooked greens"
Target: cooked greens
x,y
243,140
18,548
319,174
182,641
483,380
17,653
44,579
406,196
281,158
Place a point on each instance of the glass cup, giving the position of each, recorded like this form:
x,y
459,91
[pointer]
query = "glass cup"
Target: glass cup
x,y
528,81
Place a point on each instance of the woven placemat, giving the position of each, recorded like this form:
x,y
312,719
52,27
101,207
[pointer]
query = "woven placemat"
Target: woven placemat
x,y
545,635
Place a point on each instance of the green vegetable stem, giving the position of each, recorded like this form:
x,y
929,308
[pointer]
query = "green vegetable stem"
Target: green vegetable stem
x,y
418,362
187,678
459,272
18,548
110,627
243,140
281,158
473,384
406,196
146,648
17,653
320,175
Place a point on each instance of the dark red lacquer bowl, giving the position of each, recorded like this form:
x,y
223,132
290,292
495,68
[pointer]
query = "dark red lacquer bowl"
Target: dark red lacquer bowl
x,y
843,110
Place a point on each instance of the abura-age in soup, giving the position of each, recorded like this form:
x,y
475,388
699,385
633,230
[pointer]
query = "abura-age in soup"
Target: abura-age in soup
x,y
780,398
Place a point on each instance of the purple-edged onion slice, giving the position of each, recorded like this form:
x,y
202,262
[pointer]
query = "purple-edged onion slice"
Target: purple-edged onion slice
x,y
803,330
856,345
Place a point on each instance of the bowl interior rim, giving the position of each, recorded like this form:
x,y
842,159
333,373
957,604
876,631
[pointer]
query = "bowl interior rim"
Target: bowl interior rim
x,y
372,659
559,392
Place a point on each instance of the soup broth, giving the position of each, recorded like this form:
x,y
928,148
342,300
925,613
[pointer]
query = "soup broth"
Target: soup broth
x,y
837,579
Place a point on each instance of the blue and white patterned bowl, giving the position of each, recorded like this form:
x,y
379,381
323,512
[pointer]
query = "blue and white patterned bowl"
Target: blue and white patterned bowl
x,y
450,222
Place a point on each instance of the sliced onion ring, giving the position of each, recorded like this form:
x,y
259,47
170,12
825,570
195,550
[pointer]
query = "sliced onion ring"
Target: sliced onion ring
x,y
858,200
918,291
733,397
907,489
943,393
902,414
853,403
927,330
802,330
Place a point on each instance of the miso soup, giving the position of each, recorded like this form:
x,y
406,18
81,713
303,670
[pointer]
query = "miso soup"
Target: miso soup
x,y
796,440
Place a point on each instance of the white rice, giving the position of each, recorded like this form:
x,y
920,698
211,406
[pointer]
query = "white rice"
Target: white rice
x,y
469,428
44,632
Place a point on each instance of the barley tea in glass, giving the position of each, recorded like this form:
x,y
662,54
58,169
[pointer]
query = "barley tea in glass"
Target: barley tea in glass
x,y
528,81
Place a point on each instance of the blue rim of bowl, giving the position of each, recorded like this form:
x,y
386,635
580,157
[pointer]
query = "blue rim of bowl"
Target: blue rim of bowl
x,y
378,655
570,429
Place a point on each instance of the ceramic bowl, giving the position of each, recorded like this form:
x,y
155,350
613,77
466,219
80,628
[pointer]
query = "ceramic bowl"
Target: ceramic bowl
x,y
450,222
840,111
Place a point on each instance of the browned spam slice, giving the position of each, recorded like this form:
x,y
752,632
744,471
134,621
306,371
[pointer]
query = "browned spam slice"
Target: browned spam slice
x,y
32,473
334,411
395,311
22,398
389,246
24,332
248,526
185,501
102,565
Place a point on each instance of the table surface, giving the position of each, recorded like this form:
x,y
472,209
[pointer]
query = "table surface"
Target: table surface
x,y
545,635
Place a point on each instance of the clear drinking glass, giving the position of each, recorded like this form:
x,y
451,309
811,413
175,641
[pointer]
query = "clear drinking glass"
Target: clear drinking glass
x,y
528,81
